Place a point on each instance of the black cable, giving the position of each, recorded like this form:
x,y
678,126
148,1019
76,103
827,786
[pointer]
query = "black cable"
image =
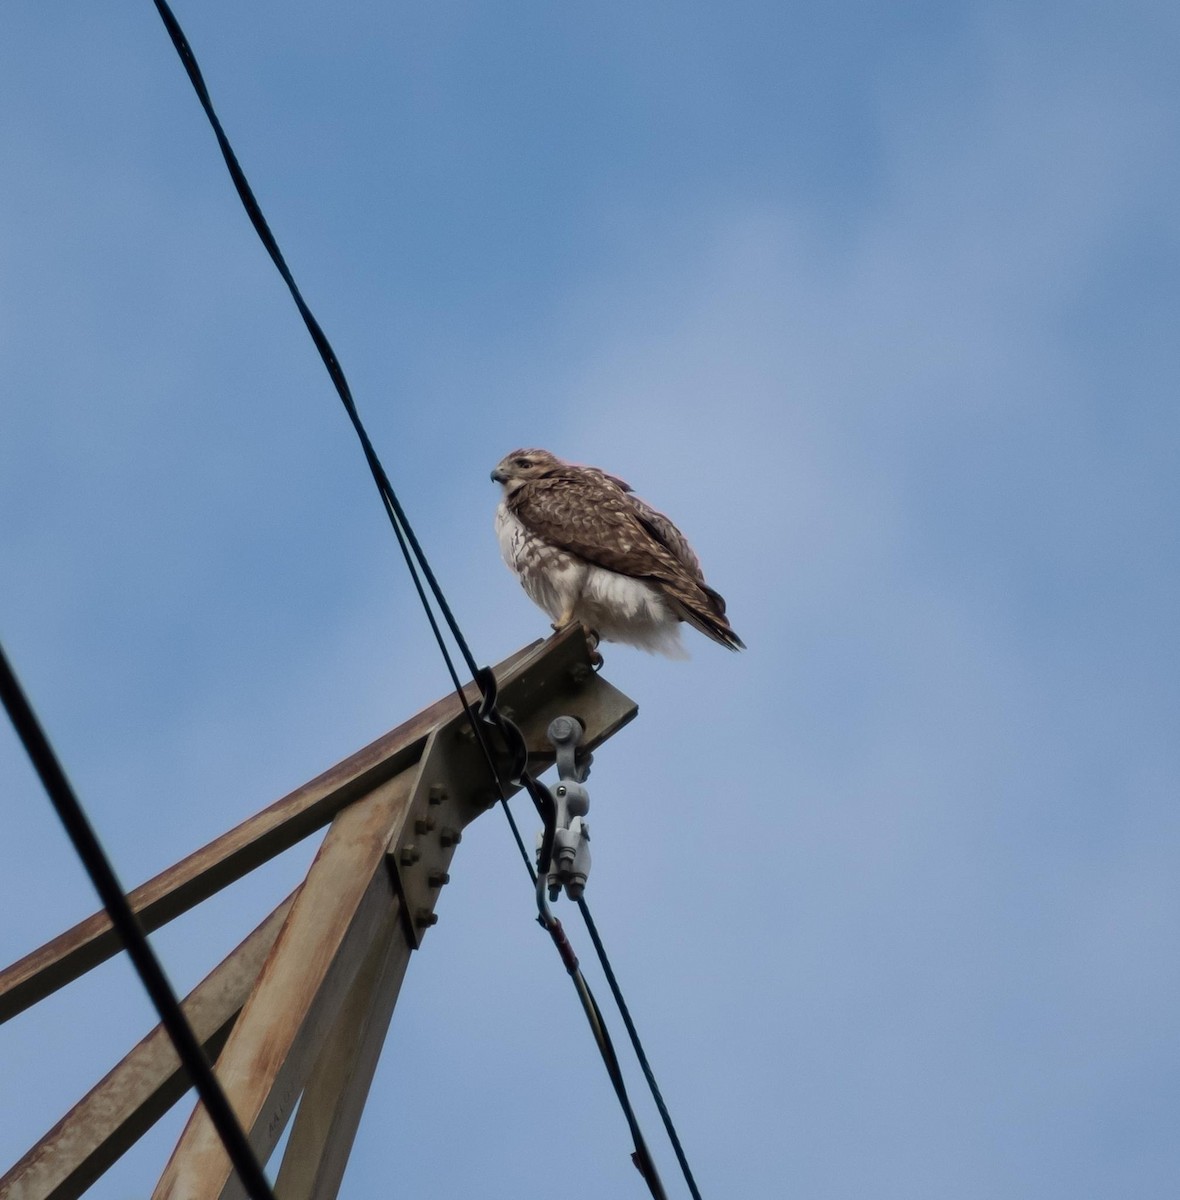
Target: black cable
x,y
641,1157
416,560
637,1045
644,1163
123,919
397,514
411,548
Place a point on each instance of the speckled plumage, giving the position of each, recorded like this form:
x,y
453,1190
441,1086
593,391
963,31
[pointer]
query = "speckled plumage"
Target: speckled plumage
x,y
586,549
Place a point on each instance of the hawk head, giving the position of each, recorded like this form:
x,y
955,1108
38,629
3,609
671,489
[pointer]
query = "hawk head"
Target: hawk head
x,y
522,465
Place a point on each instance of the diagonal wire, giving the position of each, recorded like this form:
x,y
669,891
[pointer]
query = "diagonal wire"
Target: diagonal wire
x,y
405,534
411,549
416,561
642,1158
151,973
637,1045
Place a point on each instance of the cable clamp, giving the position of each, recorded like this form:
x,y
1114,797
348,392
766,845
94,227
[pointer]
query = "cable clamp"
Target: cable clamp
x,y
569,859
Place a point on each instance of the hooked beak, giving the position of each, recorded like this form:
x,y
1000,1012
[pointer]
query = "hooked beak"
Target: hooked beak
x,y
498,476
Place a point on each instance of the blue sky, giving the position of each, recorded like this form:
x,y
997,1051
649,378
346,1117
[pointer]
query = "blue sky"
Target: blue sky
x,y
880,303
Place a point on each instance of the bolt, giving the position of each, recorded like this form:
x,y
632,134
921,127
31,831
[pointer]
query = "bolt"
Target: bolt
x,y
579,673
425,918
562,729
450,837
437,794
423,824
438,879
410,855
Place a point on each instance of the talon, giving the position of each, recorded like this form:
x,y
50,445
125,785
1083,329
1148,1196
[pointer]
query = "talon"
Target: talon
x,y
592,640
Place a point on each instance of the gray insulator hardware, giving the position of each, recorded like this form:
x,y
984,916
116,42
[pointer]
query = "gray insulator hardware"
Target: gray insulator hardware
x,y
571,841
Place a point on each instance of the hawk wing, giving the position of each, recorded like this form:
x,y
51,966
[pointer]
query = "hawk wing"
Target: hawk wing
x,y
658,526
590,515
595,516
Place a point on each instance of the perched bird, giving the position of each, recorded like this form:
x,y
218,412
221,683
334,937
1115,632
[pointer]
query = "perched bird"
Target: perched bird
x,y
587,549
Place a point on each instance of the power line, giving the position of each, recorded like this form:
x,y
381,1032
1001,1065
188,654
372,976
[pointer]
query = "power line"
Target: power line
x,y
147,965
401,525
637,1045
407,541
411,549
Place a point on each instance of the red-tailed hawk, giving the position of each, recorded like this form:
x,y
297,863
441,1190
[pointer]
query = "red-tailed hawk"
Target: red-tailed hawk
x,y
587,549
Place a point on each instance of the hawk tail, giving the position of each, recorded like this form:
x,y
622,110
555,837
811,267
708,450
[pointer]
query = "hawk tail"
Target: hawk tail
x,y
709,618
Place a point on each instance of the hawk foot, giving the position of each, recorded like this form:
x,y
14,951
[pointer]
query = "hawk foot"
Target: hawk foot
x,y
592,640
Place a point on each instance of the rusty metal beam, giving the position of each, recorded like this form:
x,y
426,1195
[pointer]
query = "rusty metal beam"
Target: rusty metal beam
x,y
133,1096
347,904
333,1101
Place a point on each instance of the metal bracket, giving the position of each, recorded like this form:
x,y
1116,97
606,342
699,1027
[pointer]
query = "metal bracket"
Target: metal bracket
x,y
440,806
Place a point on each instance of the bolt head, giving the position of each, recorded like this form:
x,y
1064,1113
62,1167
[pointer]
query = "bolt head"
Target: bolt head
x,y
561,729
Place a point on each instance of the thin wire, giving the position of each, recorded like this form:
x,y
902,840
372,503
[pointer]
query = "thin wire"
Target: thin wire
x,y
406,538
401,524
637,1045
123,919
415,559
524,854
642,1158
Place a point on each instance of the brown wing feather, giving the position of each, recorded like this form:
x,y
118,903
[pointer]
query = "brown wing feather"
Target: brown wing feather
x,y
589,515
669,537
658,525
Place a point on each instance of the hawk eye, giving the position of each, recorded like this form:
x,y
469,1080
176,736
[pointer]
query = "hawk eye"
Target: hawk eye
x,y
524,462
